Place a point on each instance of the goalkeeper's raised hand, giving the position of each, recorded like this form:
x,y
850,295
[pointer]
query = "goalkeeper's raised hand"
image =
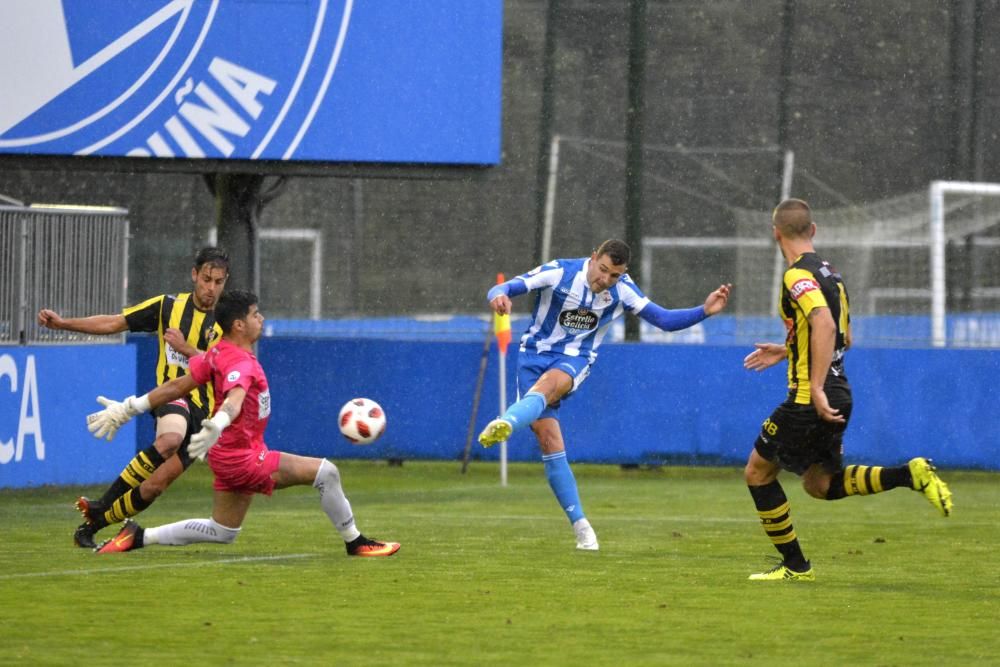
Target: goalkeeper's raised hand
x,y
105,424
209,434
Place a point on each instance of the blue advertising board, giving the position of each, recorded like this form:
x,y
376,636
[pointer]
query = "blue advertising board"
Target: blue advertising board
x,y
643,403
387,81
45,395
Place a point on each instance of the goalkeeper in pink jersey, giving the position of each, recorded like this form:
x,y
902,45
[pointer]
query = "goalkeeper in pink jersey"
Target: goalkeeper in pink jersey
x,y
233,440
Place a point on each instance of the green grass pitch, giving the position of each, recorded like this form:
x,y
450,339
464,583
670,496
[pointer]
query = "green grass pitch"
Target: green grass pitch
x,y
489,576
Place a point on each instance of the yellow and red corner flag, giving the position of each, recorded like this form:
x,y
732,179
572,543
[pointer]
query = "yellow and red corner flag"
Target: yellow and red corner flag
x,y
501,325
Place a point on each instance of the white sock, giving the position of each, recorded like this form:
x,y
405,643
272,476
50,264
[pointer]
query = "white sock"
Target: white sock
x,y
334,502
189,531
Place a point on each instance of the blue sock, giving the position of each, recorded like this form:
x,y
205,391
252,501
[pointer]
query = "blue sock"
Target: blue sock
x,y
526,410
563,484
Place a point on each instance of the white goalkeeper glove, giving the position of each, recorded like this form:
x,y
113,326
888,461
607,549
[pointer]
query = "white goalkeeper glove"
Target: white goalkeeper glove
x,y
209,434
105,424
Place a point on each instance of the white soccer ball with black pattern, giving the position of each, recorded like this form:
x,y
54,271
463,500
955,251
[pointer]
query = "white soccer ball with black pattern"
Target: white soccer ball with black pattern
x,y
362,421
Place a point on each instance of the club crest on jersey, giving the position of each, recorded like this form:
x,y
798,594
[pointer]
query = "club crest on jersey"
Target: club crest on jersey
x,y
161,78
803,286
578,320
233,376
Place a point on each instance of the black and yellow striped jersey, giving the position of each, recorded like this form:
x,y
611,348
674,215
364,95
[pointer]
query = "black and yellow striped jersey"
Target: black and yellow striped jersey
x,y
809,283
176,311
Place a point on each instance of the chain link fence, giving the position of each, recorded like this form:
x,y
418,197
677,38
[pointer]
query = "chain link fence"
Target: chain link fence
x,y
73,260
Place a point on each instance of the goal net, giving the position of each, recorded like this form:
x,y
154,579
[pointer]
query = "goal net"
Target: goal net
x,y
693,199
920,267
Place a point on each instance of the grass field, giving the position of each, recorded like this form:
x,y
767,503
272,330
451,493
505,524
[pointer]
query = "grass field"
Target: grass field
x,y
489,576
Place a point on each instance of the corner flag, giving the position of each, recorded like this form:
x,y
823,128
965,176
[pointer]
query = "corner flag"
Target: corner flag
x,y
501,325
501,328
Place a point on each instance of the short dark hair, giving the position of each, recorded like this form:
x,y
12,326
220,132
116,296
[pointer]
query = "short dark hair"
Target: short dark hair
x,y
215,257
618,251
793,218
233,305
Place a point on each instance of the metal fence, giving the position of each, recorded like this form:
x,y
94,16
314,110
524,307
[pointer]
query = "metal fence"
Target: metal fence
x,y
73,260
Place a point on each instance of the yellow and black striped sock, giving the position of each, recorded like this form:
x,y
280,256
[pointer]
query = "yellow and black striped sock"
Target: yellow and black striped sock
x,y
139,469
126,506
858,480
772,508
135,473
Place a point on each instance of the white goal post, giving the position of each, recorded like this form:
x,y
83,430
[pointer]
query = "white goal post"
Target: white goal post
x,y
938,191
314,237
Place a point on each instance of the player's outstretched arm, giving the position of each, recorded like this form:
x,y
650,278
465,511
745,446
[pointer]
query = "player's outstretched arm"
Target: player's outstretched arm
x,y
100,325
765,356
682,318
105,423
171,391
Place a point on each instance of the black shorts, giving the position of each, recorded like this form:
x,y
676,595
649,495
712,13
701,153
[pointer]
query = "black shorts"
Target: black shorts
x,y
194,416
795,437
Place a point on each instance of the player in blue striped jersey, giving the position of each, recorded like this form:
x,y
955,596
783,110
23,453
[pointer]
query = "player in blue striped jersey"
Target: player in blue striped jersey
x,y
577,301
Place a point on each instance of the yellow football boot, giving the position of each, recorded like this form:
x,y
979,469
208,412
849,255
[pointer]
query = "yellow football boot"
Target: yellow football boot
x,y
934,489
782,572
496,431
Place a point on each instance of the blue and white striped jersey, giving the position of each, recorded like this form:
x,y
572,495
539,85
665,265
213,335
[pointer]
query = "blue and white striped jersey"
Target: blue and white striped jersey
x,y
568,317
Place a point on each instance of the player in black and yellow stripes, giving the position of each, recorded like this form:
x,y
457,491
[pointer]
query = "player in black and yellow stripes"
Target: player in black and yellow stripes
x,y
804,435
185,325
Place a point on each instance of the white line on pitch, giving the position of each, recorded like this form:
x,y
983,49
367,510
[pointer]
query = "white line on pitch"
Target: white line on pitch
x,y
751,519
153,566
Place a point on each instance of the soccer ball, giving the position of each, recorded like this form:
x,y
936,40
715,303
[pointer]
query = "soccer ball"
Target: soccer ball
x,y
362,421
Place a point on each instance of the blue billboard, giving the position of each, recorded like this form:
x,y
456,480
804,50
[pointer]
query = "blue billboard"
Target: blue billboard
x,y
46,393
383,81
676,404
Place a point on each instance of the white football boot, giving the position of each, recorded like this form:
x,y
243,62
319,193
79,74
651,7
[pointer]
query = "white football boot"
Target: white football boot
x,y
586,538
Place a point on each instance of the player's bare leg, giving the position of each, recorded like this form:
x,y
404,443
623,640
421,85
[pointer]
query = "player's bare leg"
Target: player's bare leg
x,y
550,387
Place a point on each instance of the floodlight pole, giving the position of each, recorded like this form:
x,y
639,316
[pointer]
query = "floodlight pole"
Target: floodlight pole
x,y
550,201
785,79
239,200
634,131
236,220
967,58
786,162
546,117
